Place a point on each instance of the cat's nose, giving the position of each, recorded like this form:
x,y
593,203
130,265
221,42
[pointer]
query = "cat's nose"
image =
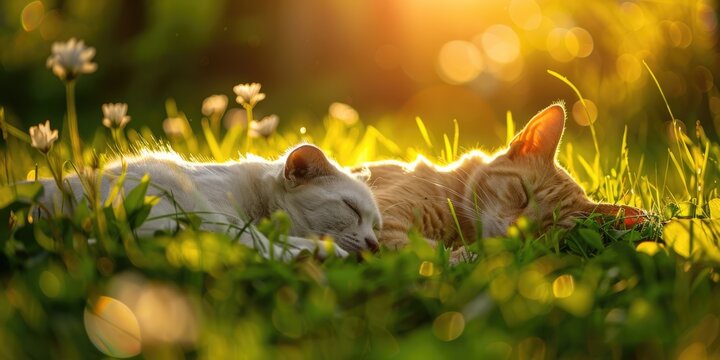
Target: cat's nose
x,y
372,244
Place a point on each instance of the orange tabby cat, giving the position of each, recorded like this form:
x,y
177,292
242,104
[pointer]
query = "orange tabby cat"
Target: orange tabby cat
x,y
491,192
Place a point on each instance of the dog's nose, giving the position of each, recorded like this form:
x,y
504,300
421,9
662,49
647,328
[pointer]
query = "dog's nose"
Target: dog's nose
x,y
372,244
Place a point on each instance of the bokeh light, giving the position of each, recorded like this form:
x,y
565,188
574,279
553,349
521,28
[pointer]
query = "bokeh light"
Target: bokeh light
x,y
500,44
579,42
629,67
459,62
563,286
525,14
449,326
632,15
32,15
113,328
586,114
557,44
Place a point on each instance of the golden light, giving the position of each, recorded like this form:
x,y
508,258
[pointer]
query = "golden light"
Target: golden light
x,y
459,62
677,33
507,72
581,112
634,17
113,328
556,45
525,14
32,15
165,315
500,44
388,57
629,67
579,42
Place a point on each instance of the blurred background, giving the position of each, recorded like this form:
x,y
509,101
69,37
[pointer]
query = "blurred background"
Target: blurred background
x,y
392,60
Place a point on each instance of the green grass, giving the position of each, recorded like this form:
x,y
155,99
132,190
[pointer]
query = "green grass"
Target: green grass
x,y
588,292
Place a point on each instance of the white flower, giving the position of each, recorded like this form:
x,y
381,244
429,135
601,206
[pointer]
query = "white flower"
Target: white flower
x,y
214,105
115,115
343,112
264,127
70,59
248,94
234,117
42,138
175,126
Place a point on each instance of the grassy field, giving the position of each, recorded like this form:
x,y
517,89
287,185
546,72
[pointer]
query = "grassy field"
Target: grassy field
x,y
591,292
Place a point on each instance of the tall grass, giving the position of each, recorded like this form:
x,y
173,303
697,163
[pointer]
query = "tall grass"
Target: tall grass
x,y
594,291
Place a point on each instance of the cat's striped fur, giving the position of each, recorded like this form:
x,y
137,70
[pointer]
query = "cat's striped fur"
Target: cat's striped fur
x,y
489,193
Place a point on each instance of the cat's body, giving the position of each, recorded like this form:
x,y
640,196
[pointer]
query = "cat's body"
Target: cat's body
x,y
319,197
487,193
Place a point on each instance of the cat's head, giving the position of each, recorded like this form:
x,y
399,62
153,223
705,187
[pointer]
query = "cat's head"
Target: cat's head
x,y
527,181
323,199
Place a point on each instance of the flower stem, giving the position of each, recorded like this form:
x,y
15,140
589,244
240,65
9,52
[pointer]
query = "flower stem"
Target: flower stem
x,y
119,138
215,125
248,109
72,124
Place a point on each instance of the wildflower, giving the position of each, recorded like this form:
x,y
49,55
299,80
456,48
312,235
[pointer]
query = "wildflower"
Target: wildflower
x,y
234,117
264,127
175,126
71,59
214,105
343,112
248,94
42,138
115,115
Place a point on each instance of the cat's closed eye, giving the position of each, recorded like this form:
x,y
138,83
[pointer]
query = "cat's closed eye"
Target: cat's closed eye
x,y
517,192
354,208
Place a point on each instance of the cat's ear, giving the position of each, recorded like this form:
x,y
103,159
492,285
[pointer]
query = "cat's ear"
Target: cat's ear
x,y
541,136
305,163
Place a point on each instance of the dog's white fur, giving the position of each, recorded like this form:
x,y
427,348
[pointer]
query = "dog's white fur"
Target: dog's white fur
x,y
319,196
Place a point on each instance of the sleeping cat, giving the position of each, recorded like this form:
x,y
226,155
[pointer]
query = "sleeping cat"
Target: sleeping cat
x,y
319,197
488,193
